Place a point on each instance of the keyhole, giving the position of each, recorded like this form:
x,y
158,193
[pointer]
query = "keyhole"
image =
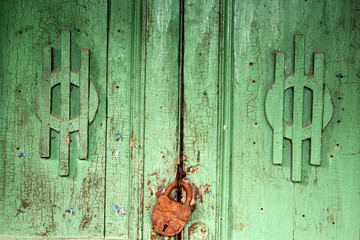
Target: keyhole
x,y
165,226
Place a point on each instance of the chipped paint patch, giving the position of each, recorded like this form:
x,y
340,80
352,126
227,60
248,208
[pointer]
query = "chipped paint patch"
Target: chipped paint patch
x,y
241,226
19,211
22,154
118,137
131,144
119,210
68,139
160,191
71,211
85,222
24,205
201,191
205,188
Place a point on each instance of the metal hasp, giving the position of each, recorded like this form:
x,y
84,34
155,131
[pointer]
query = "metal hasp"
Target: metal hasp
x,y
65,123
297,131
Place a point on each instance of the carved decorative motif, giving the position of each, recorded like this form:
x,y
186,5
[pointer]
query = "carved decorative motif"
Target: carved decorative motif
x,y
65,124
296,130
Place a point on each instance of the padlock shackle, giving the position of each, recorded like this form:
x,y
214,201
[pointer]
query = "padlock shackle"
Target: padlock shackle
x,y
187,187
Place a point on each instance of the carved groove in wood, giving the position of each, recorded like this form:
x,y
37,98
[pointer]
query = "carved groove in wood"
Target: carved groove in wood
x,y
296,130
65,123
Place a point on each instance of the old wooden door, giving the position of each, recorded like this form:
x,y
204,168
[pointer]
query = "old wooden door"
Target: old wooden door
x,y
101,101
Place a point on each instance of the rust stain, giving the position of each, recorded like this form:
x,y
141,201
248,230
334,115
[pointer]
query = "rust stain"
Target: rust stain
x,y
151,192
194,170
241,226
85,222
131,142
160,191
68,139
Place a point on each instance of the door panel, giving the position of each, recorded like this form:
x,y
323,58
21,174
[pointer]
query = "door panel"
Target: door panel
x,y
35,200
119,99
201,35
161,137
266,203
170,84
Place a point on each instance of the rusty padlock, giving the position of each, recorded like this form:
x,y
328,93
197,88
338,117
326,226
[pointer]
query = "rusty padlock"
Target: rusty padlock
x,y
169,217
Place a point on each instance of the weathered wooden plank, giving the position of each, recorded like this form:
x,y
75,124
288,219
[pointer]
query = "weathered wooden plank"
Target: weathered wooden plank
x,y
161,104
226,124
297,124
201,36
261,192
137,119
317,109
64,104
125,125
44,103
331,215
264,203
278,113
84,104
119,135
299,68
268,205
35,201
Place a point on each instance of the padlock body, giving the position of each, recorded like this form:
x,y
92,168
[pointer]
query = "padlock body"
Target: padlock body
x,y
169,217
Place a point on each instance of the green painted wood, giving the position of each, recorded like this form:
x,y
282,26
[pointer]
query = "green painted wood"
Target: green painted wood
x,y
126,123
119,136
297,123
201,26
79,118
306,108
198,231
226,126
265,202
84,104
138,120
161,146
34,198
64,76
44,103
276,119
232,148
317,109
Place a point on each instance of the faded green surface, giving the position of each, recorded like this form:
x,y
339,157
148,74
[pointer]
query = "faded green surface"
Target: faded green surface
x,y
265,203
233,52
34,198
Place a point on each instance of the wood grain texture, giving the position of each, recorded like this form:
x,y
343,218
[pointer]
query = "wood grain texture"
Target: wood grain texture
x,y
265,204
126,120
161,150
119,134
201,36
84,104
35,201
134,140
226,126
